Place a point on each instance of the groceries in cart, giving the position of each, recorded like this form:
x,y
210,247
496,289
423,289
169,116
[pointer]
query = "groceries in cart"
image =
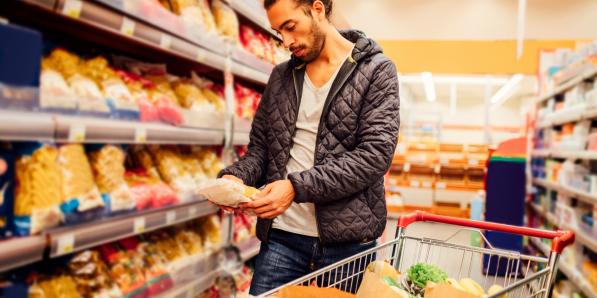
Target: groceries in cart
x,y
225,192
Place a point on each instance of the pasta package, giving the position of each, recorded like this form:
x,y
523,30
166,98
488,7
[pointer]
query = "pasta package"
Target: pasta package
x,y
211,163
91,276
82,200
193,12
211,232
171,166
226,20
62,286
108,168
38,192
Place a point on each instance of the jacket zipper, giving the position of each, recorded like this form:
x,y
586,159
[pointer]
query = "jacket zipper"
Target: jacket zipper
x,y
333,92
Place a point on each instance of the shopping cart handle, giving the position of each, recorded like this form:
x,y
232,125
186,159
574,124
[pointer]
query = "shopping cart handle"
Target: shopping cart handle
x,y
561,238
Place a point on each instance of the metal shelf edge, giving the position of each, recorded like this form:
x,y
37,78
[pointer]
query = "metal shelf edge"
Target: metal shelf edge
x,y
572,192
249,248
571,83
110,229
17,252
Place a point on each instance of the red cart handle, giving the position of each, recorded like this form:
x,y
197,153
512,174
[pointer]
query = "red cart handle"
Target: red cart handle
x,y
561,239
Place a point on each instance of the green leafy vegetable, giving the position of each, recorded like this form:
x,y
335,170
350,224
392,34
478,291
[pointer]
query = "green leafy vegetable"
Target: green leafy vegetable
x,y
421,273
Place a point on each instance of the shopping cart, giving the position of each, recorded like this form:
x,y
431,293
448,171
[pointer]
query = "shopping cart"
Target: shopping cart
x,y
519,275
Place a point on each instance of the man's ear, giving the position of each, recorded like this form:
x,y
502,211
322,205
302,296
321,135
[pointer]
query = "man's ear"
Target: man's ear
x,y
318,10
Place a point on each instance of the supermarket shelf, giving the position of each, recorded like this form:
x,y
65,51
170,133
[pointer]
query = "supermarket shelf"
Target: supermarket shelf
x,y
581,236
113,25
200,276
249,248
98,130
23,126
585,154
573,274
569,115
570,84
581,195
252,10
17,252
242,128
65,240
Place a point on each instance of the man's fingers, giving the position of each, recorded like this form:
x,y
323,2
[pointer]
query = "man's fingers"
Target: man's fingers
x,y
257,203
269,215
264,192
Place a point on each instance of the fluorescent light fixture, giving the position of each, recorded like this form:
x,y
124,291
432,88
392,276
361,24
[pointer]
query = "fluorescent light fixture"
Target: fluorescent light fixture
x,y
429,87
507,90
459,80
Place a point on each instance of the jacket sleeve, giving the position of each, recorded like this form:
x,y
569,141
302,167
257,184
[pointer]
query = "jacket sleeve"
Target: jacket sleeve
x,y
251,168
368,162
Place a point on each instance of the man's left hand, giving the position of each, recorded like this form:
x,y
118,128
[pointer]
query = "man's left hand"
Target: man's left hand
x,y
273,200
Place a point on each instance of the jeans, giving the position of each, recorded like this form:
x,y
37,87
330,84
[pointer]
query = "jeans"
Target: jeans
x,y
288,256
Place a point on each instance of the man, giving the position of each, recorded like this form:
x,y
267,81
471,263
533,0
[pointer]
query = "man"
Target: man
x,y
322,139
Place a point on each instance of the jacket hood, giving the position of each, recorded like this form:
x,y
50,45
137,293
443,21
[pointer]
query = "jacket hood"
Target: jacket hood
x,y
364,46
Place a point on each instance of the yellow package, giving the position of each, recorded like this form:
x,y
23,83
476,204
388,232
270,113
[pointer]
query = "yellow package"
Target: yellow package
x,y
211,231
226,20
192,12
62,286
78,184
38,192
172,170
108,168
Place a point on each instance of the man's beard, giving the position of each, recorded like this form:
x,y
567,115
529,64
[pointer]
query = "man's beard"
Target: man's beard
x,y
318,42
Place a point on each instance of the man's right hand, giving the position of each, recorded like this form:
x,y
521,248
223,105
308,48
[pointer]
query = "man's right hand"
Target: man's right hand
x,y
235,179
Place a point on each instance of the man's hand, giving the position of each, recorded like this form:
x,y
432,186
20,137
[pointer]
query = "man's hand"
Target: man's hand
x,y
235,179
273,200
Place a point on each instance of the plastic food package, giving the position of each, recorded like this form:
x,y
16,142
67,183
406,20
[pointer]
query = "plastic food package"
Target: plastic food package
x,y
172,170
55,92
194,12
7,183
226,20
138,87
108,168
208,89
191,97
91,276
157,279
247,101
189,240
149,192
211,163
82,200
226,192
38,192
126,269
211,231
62,286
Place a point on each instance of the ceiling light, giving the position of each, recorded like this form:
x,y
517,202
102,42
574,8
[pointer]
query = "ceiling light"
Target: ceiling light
x,y
429,87
507,90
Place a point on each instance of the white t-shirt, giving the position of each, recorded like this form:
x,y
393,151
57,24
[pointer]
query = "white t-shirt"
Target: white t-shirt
x,y
300,218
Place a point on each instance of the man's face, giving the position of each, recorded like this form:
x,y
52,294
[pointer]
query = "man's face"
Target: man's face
x,y
300,30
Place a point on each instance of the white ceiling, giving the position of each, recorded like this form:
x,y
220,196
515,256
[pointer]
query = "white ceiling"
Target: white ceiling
x,y
470,19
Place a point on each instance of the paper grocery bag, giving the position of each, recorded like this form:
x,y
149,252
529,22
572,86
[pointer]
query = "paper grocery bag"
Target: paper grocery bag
x,y
311,292
445,290
373,286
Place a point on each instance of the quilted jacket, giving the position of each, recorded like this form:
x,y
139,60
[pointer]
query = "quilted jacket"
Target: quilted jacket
x,y
356,140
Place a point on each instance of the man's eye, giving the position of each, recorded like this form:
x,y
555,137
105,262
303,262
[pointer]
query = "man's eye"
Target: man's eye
x,y
290,28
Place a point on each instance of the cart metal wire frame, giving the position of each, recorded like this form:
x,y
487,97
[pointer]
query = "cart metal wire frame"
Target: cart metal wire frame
x,y
519,275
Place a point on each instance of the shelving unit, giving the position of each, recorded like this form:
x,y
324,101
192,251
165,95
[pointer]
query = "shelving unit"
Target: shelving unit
x,y
249,248
572,273
581,195
571,83
582,236
205,271
18,252
584,155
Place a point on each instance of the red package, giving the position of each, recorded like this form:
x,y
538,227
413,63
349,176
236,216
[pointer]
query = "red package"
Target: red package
x,y
163,195
168,111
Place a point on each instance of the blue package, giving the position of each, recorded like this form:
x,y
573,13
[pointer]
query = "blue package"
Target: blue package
x,y
124,110
19,67
7,182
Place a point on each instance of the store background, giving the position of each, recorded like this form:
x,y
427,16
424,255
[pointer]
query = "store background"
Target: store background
x,y
470,50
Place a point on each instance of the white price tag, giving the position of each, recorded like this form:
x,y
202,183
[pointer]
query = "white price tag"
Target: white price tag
x,y
193,210
72,8
76,133
66,244
426,184
201,55
128,27
440,185
139,225
170,217
415,184
165,41
140,135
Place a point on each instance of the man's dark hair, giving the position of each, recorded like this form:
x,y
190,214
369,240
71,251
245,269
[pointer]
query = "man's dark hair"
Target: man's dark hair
x,y
305,3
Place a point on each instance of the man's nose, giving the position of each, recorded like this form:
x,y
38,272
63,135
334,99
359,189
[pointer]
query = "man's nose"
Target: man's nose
x,y
287,40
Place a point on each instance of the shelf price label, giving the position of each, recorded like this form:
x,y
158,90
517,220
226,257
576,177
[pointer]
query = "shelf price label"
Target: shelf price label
x,y
139,225
72,8
193,210
140,135
165,41
66,244
201,56
170,217
76,133
128,27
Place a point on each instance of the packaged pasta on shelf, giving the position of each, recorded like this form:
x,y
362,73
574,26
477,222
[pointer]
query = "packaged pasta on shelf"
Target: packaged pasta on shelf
x,y
157,279
171,166
211,232
107,162
82,200
91,276
60,286
38,191
126,269
226,20
55,93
